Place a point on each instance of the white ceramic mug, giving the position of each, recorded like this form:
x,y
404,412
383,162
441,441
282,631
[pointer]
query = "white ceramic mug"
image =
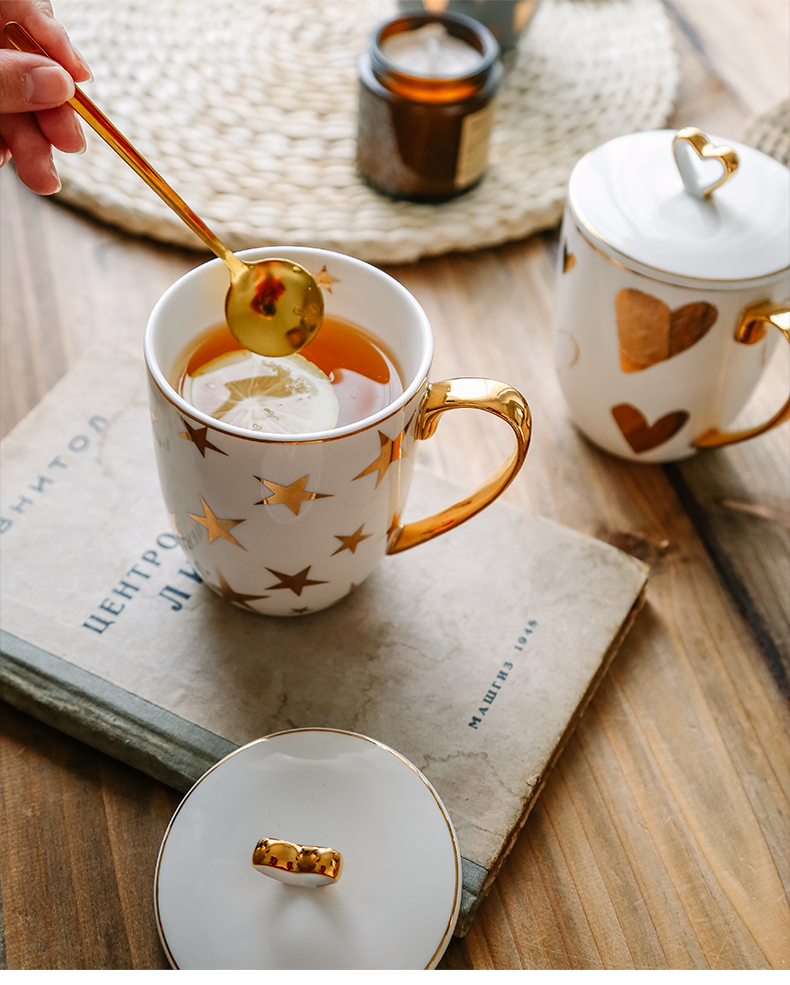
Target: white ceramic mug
x,y
284,525
666,290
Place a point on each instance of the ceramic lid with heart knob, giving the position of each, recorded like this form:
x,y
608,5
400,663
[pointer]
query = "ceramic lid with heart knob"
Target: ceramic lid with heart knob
x,y
309,849
685,205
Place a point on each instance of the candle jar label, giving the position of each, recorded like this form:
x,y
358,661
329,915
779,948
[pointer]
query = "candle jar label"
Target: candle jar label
x,y
473,150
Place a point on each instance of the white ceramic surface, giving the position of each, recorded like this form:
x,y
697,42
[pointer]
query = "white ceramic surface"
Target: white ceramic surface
x,y
629,197
278,559
395,904
611,299
277,524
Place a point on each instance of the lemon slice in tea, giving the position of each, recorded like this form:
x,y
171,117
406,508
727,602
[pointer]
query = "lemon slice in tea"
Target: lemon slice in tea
x,y
284,395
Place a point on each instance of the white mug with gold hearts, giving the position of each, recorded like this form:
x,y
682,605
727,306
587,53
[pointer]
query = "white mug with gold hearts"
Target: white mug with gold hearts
x,y
288,524
670,278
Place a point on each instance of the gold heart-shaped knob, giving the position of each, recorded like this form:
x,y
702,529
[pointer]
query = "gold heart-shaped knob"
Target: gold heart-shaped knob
x,y
691,137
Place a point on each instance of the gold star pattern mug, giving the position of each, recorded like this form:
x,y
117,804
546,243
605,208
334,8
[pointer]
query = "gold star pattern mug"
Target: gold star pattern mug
x,y
289,524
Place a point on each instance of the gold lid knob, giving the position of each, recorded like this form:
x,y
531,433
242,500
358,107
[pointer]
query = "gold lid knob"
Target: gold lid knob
x,y
691,137
309,866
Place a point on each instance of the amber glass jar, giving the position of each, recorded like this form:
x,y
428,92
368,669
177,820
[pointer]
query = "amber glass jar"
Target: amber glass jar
x,y
425,137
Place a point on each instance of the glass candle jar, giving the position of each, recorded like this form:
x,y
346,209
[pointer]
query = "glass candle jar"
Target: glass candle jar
x,y
427,85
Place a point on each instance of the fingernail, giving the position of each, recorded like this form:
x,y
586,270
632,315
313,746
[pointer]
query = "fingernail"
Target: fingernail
x,y
81,59
55,175
48,84
81,132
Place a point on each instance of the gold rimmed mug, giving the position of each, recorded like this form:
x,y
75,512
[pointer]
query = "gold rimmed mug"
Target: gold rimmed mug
x,y
287,525
674,271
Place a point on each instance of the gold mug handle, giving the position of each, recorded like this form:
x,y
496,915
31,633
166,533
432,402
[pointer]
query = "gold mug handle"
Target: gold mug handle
x,y
494,398
752,328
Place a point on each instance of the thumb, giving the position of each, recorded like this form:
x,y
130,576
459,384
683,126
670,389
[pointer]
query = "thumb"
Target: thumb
x,y
29,83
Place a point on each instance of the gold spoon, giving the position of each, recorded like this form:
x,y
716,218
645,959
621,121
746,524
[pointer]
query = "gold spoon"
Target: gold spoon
x,y
273,307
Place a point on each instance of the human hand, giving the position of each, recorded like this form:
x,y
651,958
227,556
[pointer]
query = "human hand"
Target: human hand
x,y
34,91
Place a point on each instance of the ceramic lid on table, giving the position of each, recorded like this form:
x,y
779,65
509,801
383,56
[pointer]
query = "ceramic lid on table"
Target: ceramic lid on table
x,y
627,196
395,904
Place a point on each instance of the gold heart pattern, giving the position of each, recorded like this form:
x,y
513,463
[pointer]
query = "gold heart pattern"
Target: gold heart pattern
x,y
568,259
642,436
651,332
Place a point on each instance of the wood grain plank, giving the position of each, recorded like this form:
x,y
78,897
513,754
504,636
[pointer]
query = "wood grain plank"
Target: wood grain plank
x,y
703,99
742,42
697,811
739,500
640,946
616,781
734,65
750,553
573,943
68,901
137,816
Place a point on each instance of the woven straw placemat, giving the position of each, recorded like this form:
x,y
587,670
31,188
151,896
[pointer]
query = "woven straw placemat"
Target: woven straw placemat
x,y
249,107
770,132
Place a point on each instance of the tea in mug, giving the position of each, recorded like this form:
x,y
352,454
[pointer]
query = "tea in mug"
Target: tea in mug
x,y
343,375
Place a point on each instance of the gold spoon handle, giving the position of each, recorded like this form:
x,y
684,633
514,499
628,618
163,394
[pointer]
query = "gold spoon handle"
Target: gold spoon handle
x,y
20,39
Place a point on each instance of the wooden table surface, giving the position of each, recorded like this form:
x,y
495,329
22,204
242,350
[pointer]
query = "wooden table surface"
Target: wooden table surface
x,y
662,838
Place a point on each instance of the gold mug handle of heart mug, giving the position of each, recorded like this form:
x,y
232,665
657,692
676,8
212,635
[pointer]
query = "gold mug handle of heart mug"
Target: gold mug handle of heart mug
x,y
495,398
753,325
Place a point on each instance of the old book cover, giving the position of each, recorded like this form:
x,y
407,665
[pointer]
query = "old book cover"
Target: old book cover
x,y
472,655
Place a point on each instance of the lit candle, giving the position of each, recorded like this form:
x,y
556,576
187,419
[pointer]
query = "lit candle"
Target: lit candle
x,y
427,85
